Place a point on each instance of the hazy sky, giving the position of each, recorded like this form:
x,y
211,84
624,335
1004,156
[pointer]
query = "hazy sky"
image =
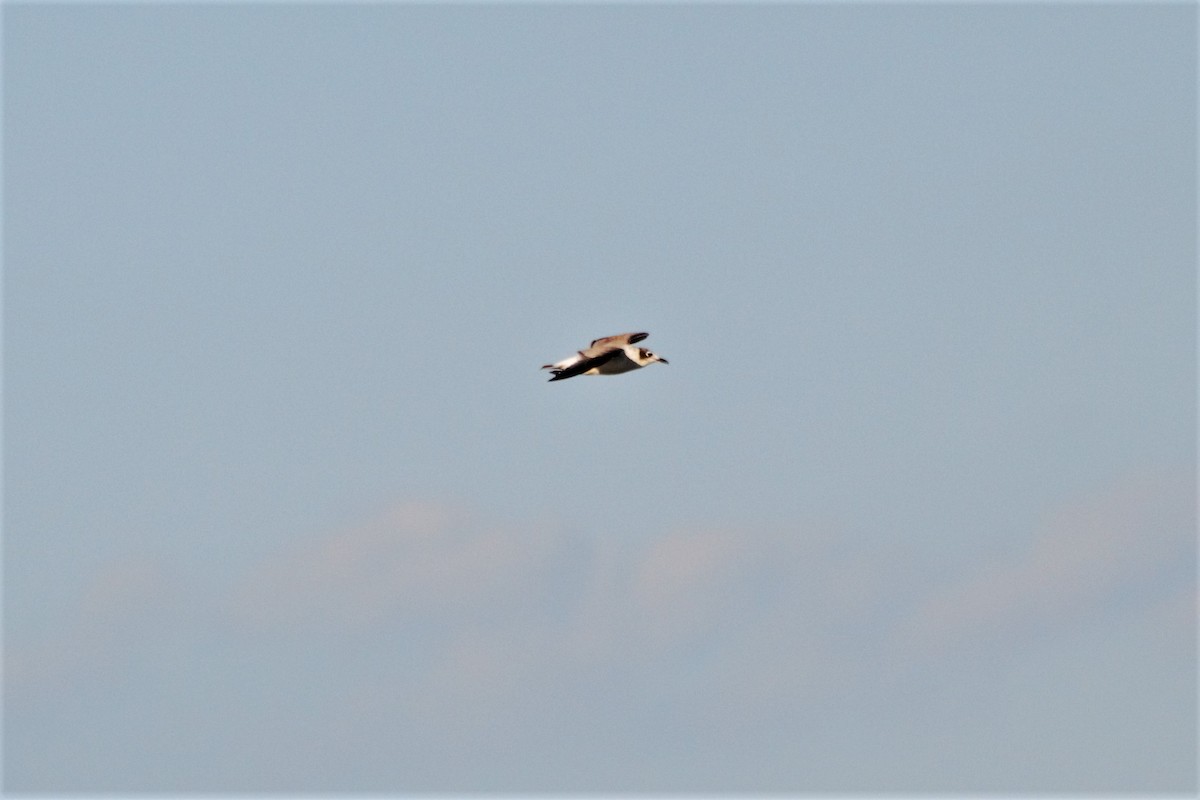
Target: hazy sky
x,y
289,506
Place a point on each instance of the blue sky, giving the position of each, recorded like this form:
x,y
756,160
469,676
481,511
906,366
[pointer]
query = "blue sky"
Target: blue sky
x,y
289,507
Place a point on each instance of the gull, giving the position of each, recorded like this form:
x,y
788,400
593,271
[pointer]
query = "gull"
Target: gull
x,y
611,355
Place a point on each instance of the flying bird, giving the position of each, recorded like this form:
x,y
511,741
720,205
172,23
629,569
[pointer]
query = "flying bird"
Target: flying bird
x,y
611,355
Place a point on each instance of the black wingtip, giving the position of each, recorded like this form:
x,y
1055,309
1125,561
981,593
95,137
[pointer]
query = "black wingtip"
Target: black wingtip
x,y
637,337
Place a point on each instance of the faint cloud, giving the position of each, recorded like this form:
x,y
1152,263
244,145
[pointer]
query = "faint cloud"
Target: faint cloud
x,y
430,626
1137,535
417,560
748,617
507,606
126,603
685,580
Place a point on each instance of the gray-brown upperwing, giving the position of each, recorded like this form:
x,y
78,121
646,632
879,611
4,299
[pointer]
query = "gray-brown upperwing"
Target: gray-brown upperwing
x,y
620,340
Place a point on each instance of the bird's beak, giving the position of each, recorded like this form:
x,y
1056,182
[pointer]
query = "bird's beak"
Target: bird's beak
x,y
663,360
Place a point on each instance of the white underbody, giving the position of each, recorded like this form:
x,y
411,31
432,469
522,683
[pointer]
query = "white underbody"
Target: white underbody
x,y
629,359
615,366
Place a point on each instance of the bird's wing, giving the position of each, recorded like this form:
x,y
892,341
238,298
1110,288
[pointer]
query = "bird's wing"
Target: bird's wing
x,y
566,362
586,363
620,340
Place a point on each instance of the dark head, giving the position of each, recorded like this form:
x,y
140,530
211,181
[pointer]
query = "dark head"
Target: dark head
x,y
648,358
